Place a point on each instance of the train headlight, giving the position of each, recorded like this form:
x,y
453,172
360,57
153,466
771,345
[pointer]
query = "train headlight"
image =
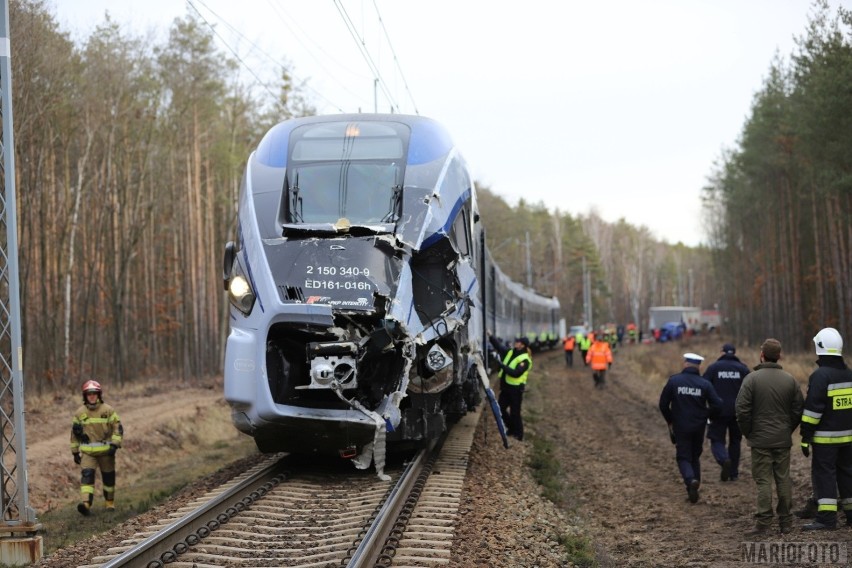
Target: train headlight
x,y
240,292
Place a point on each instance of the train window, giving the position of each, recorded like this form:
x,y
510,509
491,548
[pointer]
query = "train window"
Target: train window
x,y
346,169
347,141
461,233
364,193
348,149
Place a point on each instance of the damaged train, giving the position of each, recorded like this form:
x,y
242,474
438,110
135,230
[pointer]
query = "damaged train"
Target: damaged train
x,y
360,289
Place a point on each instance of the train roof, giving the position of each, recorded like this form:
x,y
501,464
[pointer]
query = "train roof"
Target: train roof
x,y
429,139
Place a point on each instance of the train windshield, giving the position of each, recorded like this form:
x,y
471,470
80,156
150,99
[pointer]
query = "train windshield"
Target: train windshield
x,y
346,170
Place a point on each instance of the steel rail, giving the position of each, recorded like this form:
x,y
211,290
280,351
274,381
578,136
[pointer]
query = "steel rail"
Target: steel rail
x,y
168,540
371,547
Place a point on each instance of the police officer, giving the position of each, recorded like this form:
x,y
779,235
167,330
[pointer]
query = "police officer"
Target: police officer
x,y
686,402
515,365
96,434
726,375
827,430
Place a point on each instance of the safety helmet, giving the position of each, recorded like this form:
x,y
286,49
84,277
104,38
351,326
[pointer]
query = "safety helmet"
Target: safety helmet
x,y
828,342
92,386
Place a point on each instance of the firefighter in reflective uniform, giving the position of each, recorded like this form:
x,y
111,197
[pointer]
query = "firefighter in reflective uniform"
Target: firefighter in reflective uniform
x,y
827,431
96,435
515,365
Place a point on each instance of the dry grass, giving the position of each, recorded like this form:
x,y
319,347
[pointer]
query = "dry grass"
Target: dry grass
x,y
661,360
176,454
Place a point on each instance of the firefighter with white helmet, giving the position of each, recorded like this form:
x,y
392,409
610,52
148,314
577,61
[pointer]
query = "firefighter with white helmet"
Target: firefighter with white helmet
x,y
96,434
827,431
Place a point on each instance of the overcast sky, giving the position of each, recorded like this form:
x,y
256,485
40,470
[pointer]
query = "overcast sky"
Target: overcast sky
x,y
621,106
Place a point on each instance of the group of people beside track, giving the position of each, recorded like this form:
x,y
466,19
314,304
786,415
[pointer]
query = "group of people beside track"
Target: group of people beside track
x,y
765,405
596,349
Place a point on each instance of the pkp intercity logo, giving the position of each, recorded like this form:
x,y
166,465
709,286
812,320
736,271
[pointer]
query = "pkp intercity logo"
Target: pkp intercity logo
x,y
794,553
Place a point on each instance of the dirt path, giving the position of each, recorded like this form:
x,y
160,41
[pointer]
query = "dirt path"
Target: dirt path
x,y
156,424
618,460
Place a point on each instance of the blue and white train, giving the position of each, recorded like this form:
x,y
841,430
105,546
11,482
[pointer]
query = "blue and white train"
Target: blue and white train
x,y
360,289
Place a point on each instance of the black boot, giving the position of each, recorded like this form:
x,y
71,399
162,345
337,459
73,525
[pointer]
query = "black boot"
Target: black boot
x,y
809,511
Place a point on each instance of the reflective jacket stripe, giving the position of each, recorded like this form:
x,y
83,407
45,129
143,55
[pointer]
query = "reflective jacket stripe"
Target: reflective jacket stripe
x,y
515,381
823,440
94,420
829,437
811,416
94,448
833,433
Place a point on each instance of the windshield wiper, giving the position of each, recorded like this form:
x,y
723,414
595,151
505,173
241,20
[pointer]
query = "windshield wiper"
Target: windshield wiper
x,y
395,203
296,202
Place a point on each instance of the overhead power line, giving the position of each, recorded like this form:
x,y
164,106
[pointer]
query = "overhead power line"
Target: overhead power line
x,y
395,60
303,38
235,54
359,41
255,46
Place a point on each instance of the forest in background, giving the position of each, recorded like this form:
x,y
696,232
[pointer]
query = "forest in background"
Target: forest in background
x,y
779,203
129,155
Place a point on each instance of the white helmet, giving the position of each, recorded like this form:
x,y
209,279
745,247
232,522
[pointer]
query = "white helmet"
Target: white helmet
x,y
828,342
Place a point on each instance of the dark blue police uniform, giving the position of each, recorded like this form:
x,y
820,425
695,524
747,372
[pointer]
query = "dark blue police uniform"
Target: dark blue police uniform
x,y
726,375
686,402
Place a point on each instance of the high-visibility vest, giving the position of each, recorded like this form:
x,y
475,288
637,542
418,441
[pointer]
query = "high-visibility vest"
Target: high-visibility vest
x,y
512,364
569,343
599,356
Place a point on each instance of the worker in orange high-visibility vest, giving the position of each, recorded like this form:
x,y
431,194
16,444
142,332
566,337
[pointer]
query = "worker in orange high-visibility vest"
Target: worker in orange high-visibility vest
x,y
599,356
568,344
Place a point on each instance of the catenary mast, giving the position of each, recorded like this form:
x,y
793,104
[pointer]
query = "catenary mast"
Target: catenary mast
x,y
20,542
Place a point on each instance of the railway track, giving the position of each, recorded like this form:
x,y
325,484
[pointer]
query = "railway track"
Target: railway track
x,y
275,516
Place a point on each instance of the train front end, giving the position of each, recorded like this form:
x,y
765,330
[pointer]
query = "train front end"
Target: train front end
x,y
352,284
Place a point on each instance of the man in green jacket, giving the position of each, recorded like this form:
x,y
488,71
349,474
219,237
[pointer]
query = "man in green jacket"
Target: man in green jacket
x,y
769,407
